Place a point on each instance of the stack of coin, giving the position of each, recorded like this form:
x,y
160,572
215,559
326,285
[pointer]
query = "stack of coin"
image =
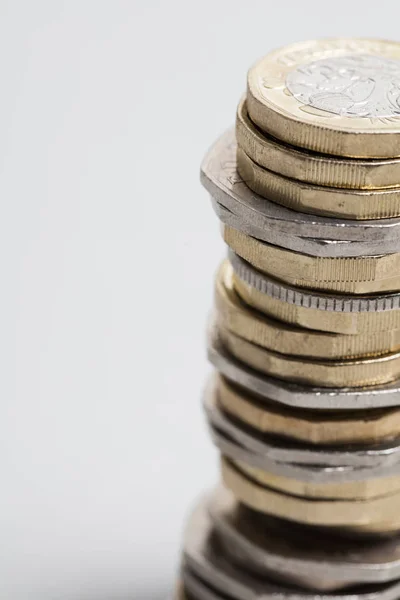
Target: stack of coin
x,y
304,403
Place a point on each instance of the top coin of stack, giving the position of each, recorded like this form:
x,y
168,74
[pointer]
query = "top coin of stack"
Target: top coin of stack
x,y
338,102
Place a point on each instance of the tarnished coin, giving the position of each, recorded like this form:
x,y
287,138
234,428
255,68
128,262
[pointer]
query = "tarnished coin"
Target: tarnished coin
x,y
326,513
362,275
379,314
314,427
315,199
234,315
323,170
268,221
328,373
205,560
336,96
300,555
292,394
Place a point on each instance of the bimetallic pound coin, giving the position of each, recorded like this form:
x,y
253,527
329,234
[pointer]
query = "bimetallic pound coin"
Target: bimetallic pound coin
x,y
362,275
295,395
326,513
335,96
319,169
281,451
316,199
313,427
234,315
379,314
328,373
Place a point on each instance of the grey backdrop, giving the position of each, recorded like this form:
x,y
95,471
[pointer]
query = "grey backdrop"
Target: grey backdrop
x,y
108,248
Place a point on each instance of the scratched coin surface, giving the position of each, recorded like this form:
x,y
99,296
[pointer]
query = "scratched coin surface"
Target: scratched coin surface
x,y
336,96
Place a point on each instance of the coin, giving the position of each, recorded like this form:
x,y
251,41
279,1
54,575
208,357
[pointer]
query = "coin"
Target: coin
x,y
309,167
314,310
268,221
314,427
336,96
301,555
235,316
358,490
204,559
344,481
280,451
329,373
327,513
198,589
292,394
362,275
316,199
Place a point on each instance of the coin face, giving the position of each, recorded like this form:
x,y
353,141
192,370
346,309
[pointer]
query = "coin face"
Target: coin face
x,y
335,96
359,85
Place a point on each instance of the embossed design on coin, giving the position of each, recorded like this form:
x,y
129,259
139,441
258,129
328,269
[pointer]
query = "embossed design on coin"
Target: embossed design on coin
x,y
349,86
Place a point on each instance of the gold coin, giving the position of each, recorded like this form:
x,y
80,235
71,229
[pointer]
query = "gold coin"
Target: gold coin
x,y
313,427
359,275
254,327
336,96
337,374
359,323
347,513
353,490
316,199
309,167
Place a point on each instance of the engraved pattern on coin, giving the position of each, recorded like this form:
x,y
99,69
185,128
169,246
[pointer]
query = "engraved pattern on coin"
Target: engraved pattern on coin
x,y
349,86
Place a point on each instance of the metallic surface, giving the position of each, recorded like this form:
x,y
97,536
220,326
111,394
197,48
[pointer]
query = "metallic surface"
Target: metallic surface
x,y
316,199
297,395
359,275
278,105
314,168
204,559
234,315
329,373
268,221
355,490
379,456
271,547
326,513
313,427
344,481
314,310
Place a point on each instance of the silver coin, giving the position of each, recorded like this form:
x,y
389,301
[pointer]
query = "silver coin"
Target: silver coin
x,y
203,558
292,295
379,456
259,217
299,554
291,394
312,246
308,473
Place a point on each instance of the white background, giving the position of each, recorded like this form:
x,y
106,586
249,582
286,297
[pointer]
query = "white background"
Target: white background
x,y
108,248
